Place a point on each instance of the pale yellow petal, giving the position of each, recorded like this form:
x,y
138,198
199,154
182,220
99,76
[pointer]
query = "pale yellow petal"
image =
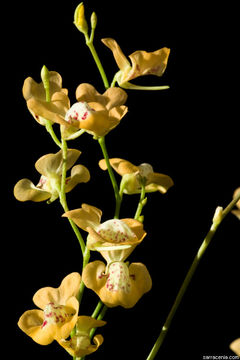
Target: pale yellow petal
x,y
31,323
148,63
161,182
79,174
69,287
119,57
121,166
52,163
25,190
86,216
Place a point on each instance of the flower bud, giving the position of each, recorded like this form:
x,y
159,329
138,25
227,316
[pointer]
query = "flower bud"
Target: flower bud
x,y
79,19
93,20
217,218
45,80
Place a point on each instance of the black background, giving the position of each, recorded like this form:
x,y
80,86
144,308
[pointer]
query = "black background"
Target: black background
x,y
189,132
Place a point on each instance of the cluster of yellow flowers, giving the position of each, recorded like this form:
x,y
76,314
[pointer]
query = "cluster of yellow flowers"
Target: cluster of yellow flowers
x,y
115,281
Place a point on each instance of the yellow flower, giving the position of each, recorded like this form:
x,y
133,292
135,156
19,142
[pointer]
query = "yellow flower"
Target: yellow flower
x,y
235,346
80,344
132,176
34,93
237,211
95,113
117,284
58,314
114,239
142,63
50,168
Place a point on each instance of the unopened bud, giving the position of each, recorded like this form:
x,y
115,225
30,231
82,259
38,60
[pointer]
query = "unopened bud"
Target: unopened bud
x,y
217,218
93,20
79,19
45,80
44,74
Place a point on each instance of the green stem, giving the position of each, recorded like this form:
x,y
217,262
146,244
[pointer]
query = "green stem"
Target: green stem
x,y
89,43
62,195
118,197
50,130
100,317
46,85
141,203
97,309
86,257
216,222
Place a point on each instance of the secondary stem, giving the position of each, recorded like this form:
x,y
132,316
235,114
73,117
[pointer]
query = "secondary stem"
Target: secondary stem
x,y
141,202
189,276
62,195
118,198
91,47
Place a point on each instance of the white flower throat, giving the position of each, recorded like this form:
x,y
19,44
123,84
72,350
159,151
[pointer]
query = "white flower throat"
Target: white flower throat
x,y
116,231
78,112
118,277
56,314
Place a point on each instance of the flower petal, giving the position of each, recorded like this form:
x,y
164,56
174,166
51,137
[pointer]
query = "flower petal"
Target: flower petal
x,y
79,352
53,111
31,323
25,190
65,330
121,166
115,97
148,63
236,213
141,281
95,278
99,123
87,92
161,182
112,97
119,57
69,287
52,163
136,227
79,174
93,275
86,216
86,323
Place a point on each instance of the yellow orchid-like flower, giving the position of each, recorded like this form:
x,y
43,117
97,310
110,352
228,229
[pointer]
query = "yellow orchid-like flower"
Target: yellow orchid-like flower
x,y
235,346
114,239
35,93
95,113
50,168
58,314
133,176
117,284
80,344
142,63
237,211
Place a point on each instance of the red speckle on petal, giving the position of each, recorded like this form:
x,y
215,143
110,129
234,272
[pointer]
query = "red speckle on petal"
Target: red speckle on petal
x,y
84,116
44,323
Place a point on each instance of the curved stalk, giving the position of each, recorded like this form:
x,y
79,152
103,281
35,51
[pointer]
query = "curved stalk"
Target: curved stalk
x,y
217,219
